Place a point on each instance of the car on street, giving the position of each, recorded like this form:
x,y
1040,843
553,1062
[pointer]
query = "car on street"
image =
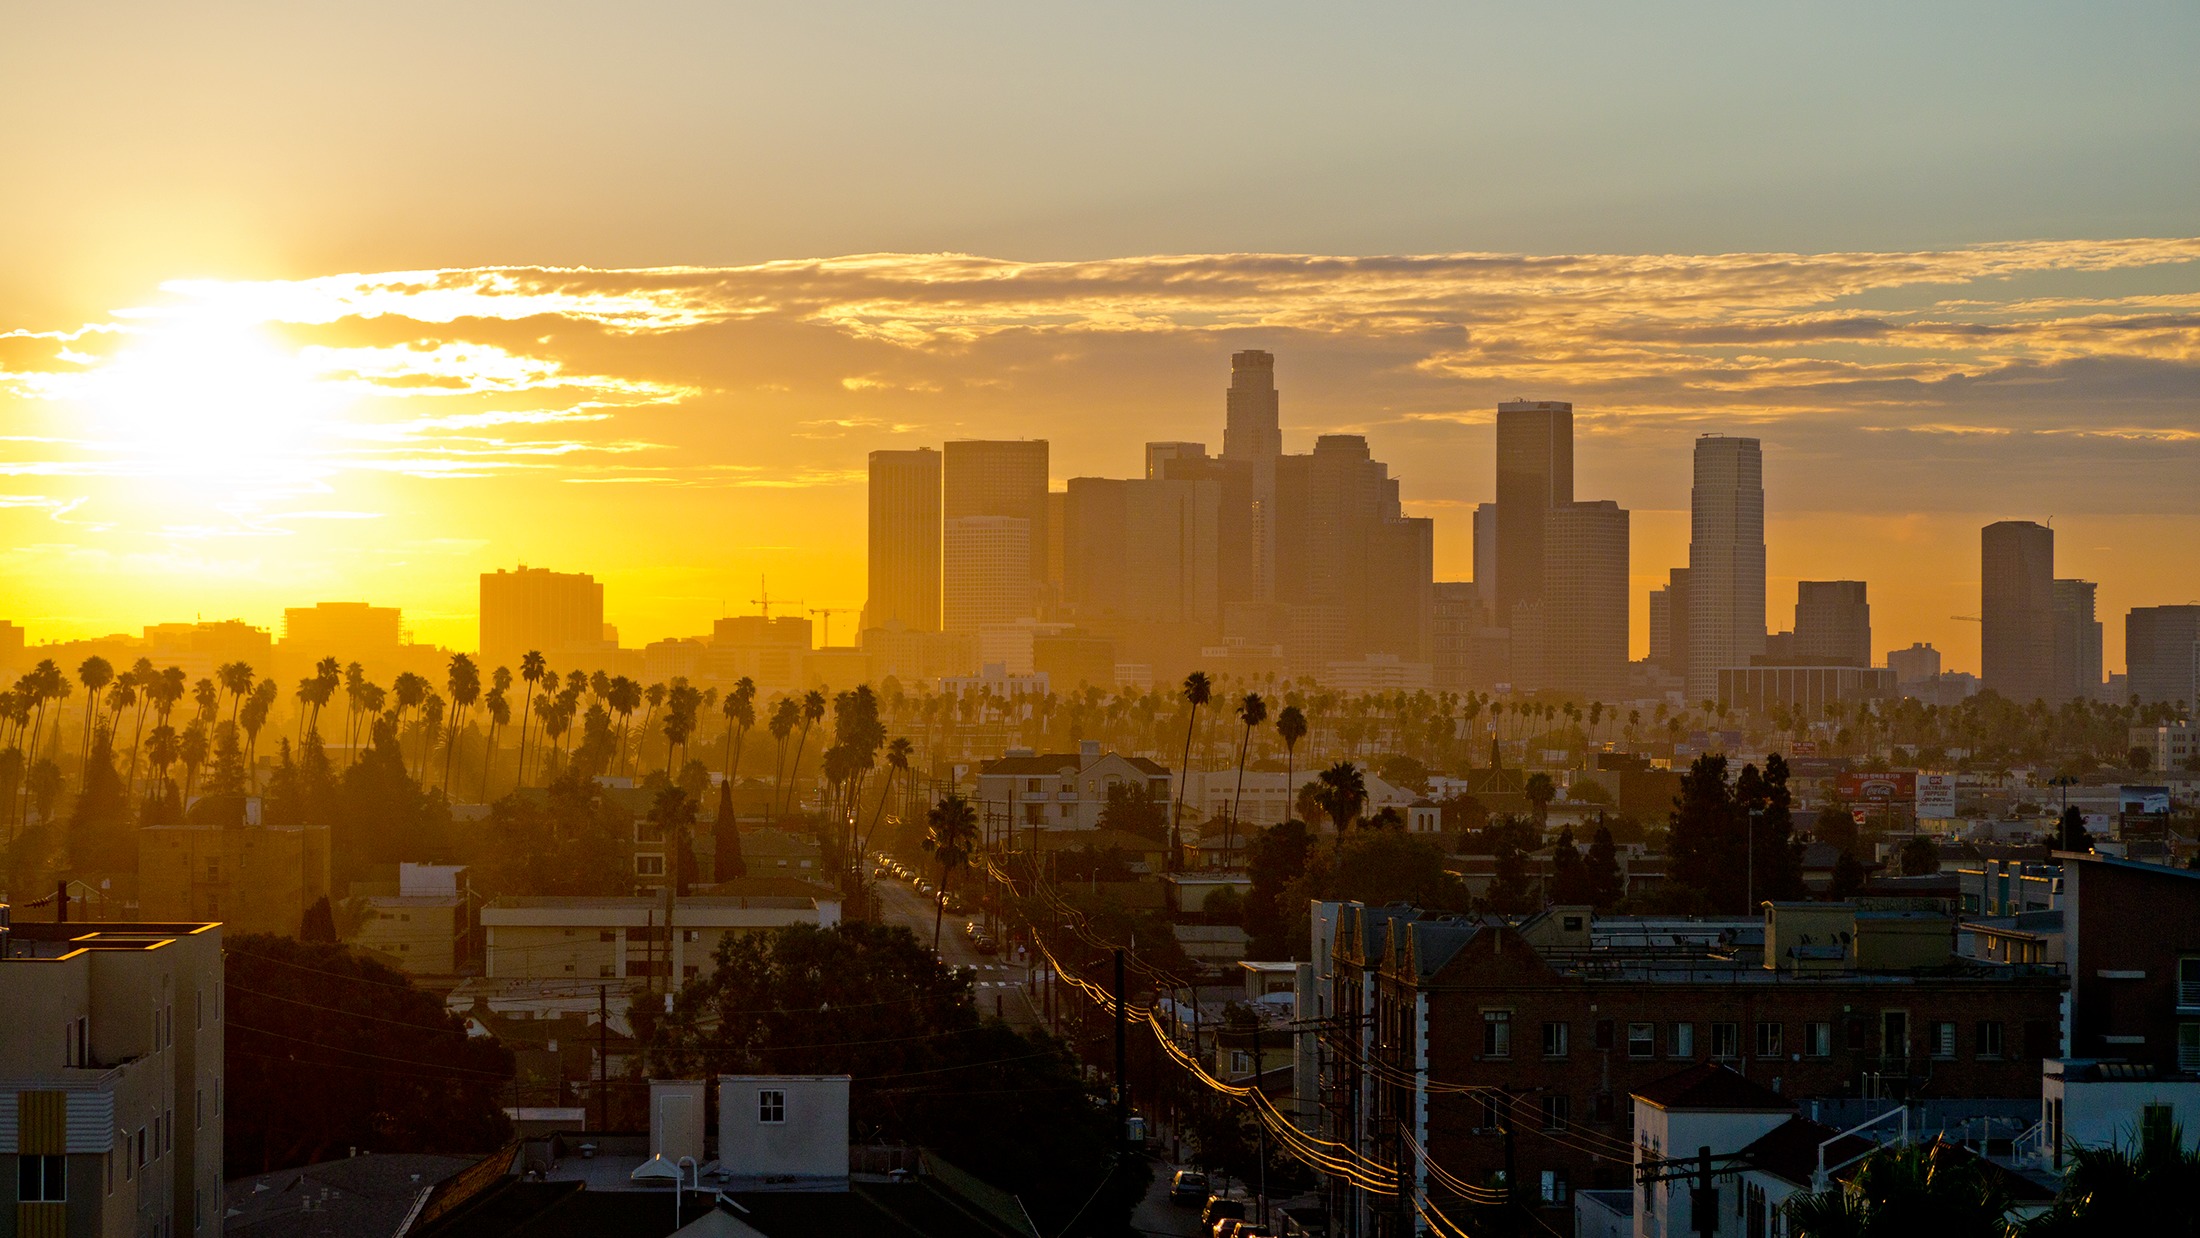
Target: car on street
x,y
1220,1208
1188,1188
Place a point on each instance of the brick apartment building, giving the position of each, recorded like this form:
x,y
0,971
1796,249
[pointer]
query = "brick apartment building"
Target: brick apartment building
x,y
1520,1044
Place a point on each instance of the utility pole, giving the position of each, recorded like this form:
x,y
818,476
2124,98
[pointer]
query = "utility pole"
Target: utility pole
x,y
1259,1073
1512,1164
603,1058
1703,1202
1122,1079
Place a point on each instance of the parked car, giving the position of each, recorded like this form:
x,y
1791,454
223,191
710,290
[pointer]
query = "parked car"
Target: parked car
x,y
1218,1209
1188,1189
986,945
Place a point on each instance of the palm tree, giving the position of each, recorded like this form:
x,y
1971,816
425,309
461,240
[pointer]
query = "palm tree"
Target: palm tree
x,y
2143,1189
1540,792
1933,1188
465,685
740,709
1197,689
897,761
95,673
1290,728
148,683
235,679
163,750
1342,796
951,835
253,718
681,704
785,715
1252,711
531,669
431,720
623,696
500,714
653,696
813,711
191,750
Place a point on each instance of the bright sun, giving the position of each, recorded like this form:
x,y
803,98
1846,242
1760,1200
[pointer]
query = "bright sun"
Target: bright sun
x,y
211,399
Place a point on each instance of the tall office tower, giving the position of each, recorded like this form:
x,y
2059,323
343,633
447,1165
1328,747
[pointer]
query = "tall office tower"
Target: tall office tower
x,y
1672,653
1535,473
2077,642
1252,436
1171,553
1726,561
986,572
559,614
2017,610
1458,613
1585,599
1919,664
2162,654
1833,623
1160,456
11,650
905,540
1486,559
1000,478
1353,573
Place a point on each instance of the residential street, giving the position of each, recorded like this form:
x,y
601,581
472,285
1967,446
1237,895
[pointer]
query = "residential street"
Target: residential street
x,y
998,981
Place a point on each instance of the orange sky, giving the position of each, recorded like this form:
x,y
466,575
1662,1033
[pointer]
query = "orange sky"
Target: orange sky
x,y
225,448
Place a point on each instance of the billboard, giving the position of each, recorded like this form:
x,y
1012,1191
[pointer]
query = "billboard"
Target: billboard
x,y
1936,796
2152,800
1889,787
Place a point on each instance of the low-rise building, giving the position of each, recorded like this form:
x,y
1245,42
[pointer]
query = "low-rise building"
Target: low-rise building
x,y
252,878
1062,790
423,928
548,938
111,1077
1484,1032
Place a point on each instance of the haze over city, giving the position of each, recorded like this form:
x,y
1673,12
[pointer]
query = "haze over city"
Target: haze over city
x,y
698,620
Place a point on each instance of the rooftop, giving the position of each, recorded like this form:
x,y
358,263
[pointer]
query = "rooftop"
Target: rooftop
x,y
1708,1086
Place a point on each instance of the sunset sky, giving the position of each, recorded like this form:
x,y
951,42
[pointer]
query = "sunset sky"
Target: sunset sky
x,y
307,304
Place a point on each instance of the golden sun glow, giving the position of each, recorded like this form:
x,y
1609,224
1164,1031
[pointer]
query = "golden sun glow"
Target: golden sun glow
x,y
211,398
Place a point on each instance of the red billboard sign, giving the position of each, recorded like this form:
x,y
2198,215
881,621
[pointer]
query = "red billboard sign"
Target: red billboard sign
x,y
1891,787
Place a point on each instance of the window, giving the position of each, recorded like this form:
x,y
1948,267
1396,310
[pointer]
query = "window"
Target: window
x,y
1989,1038
1726,1040
1241,1062
1490,1112
1818,1040
42,1179
691,935
1553,1188
140,1147
1944,1041
1642,1040
2188,1046
1894,1033
771,1105
1682,1042
1604,1034
1554,1040
1497,1033
1768,1040
649,866
1558,1110
606,969
198,1110
2188,983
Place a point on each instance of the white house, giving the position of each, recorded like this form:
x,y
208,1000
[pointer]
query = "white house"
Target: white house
x,y
1063,790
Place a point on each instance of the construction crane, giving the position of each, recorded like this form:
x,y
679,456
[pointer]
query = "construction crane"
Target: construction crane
x,y
827,612
1967,618
764,603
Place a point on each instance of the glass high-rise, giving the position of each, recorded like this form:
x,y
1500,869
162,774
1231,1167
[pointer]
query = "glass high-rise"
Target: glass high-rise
x,y
1726,561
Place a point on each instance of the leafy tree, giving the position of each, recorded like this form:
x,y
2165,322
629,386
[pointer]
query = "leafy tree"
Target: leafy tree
x,y
1602,869
1849,876
1835,825
1570,881
328,1049
567,840
319,924
1919,857
1376,867
1400,770
869,1001
1133,808
727,862
1716,829
2070,831
1276,860
382,815
100,835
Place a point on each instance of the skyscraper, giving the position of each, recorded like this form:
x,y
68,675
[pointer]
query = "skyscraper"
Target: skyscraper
x,y
559,614
987,572
1535,473
2162,654
1919,664
1485,560
1833,623
1726,560
1252,437
1669,648
2077,642
905,540
999,478
1585,599
2017,610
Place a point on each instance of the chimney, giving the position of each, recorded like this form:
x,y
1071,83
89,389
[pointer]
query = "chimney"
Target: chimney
x,y
61,902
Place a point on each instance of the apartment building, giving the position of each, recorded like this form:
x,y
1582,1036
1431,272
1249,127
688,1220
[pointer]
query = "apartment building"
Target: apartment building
x,y
1062,790
252,878
1487,1040
111,1078
553,938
